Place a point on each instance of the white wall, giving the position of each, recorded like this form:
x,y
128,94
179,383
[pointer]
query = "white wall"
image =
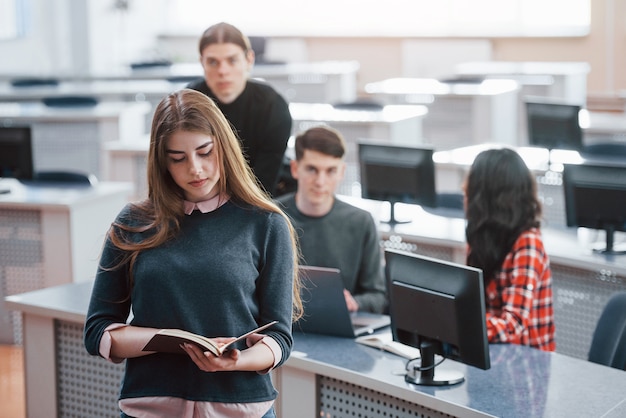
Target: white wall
x,y
76,37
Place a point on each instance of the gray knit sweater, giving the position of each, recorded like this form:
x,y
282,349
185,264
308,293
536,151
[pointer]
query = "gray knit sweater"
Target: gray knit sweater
x,y
226,272
345,238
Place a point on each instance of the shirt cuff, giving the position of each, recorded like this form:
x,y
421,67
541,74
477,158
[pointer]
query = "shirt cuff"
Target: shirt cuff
x,y
105,343
271,344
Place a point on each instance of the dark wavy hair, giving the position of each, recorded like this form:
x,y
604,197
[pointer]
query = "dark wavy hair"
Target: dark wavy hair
x,y
501,203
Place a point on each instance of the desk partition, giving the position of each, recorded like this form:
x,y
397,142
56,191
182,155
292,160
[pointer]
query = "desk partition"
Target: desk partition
x,y
71,138
49,236
459,114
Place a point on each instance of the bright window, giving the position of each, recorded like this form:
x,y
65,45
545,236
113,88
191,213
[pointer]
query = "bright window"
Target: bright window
x,y
404,18
12,18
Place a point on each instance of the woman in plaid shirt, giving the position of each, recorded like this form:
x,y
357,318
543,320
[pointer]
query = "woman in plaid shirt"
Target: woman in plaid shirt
x,y
504,240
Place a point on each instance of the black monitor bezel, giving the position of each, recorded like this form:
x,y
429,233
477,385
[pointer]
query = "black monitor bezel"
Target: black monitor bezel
x,y
536,111
397,157
603,179
22,136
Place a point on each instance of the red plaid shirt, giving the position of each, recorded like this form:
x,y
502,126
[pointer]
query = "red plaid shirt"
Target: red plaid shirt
x,y
519,299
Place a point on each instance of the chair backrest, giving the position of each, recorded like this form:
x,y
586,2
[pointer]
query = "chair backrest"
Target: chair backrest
x,y
68,177
608,345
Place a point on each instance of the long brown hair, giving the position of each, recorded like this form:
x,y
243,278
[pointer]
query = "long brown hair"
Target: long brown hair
x,y
161,212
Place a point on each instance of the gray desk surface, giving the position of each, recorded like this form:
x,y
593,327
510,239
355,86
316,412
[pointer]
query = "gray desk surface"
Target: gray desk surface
x,y
100,89
327,113
50,196
194,69
431,86
40,112
522,382
523,68
259,70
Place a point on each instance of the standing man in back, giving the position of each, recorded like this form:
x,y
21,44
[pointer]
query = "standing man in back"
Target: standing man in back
x,y
333,233
259,114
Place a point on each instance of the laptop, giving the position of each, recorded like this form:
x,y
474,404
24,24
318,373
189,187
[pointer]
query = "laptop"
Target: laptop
x,y
325,310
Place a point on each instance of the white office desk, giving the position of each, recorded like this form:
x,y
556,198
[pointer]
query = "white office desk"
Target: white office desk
x,y
565,81
71,138
459,114
127,161
318,81
103,90
52,235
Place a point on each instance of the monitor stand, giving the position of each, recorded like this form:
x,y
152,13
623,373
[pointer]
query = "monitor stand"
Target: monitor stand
x,y
392,216
426,375
610,248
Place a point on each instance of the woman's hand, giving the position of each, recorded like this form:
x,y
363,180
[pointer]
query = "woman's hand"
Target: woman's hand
x,y
209,362
258,357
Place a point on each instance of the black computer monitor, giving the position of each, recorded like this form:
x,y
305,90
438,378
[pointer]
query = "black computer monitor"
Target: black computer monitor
x,y
396,173
16,155
438,307
554,125
594,198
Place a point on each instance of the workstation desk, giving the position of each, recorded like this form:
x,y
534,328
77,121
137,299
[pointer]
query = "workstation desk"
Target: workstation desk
x,y
583,281
313,82
325,376
563,81
317,81
395,124
101,90
51,235
459,113
72,137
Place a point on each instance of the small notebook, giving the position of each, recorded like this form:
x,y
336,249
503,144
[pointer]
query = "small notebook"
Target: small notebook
x,y
325,310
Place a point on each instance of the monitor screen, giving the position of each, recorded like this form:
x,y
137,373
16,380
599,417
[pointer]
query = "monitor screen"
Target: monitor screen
x,y
16,156
594,195
554,125
396,173
438,307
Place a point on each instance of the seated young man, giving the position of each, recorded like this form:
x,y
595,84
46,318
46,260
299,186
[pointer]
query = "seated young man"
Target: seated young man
x,y
333,233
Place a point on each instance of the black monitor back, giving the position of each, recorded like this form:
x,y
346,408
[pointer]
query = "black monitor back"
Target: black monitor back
x,y
16,154
554,125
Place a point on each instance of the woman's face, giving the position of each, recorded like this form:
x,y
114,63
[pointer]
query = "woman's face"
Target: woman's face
x,y
192,161
226,70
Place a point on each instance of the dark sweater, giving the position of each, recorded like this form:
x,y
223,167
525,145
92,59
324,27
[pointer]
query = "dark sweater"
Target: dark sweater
x,y
345,238
263,123
227,272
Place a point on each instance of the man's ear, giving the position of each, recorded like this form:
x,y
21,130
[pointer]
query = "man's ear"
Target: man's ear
x,y
293,166
250,59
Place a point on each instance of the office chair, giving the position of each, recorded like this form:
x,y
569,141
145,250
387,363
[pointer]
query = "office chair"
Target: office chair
x,y
70,101
34,82
65,177
608,345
